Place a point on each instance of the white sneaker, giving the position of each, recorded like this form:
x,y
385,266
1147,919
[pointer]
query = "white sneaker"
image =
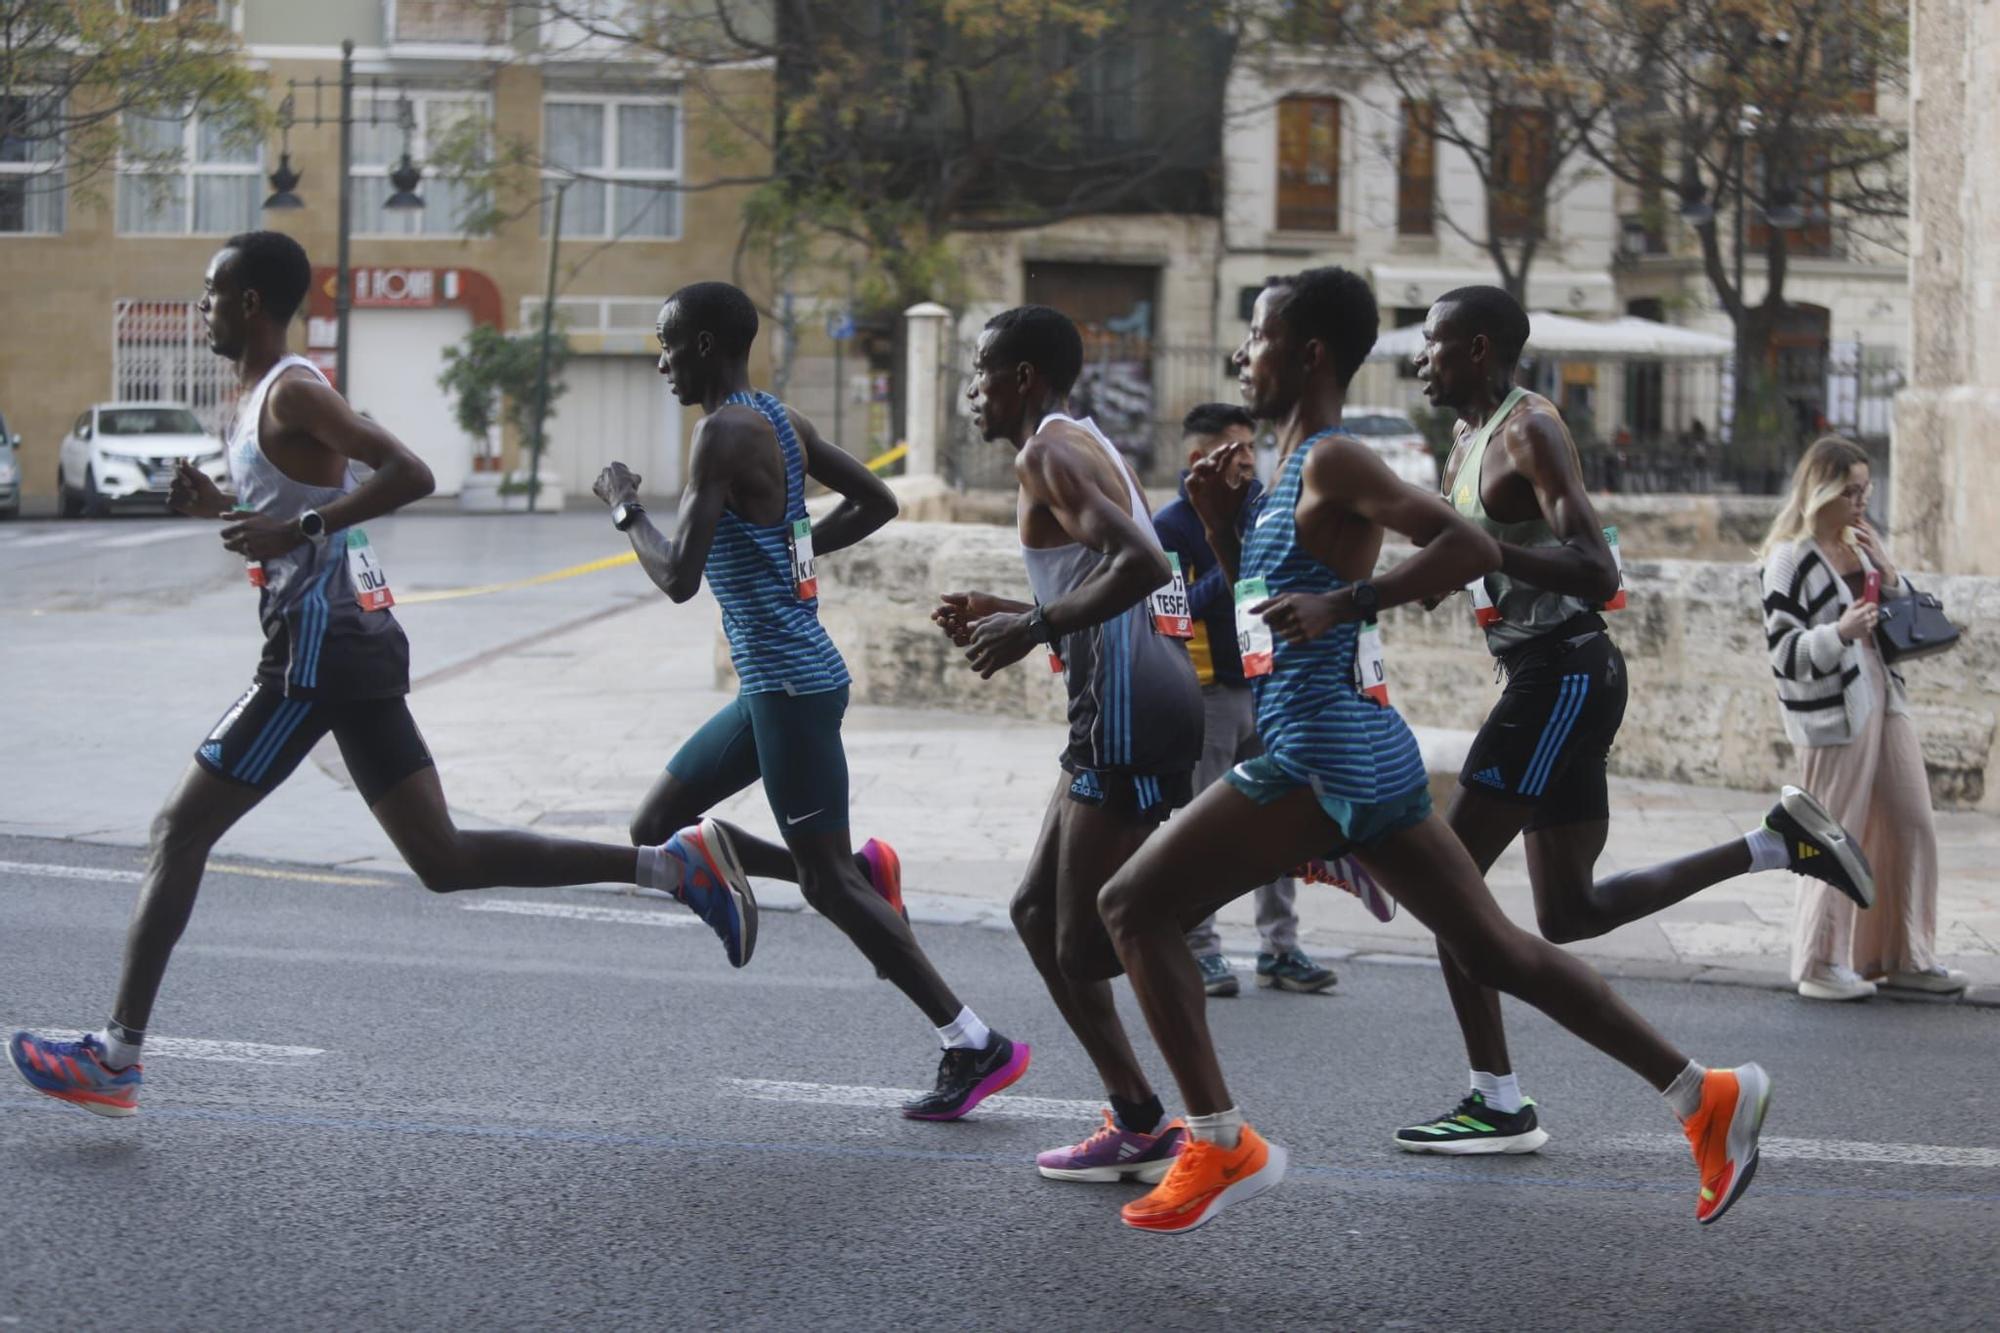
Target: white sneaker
x,y
1936,979
1835,983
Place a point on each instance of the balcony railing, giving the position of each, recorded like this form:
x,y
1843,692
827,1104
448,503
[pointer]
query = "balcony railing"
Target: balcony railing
x,y
447,22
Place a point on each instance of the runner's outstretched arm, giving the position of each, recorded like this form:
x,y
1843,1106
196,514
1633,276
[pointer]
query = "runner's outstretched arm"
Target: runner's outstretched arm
x,y
1134,564
1583,566
675,566
866,503
303,405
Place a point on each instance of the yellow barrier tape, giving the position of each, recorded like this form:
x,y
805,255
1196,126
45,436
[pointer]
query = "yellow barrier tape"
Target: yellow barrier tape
x,y
555,576
884,459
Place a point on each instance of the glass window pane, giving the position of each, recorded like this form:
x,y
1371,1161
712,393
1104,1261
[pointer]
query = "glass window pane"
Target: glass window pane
x,y
379,144
367,217
442,116
226,204
154,136
583,209
30,130
646,138
648,212
218,140
32,204
573,135
152,203
446,203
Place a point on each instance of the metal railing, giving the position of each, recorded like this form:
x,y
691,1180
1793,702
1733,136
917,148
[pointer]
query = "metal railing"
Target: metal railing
x,y
159,353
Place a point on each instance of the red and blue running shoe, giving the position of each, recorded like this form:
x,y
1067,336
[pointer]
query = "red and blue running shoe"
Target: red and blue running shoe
x,y
75,1072
714,886
885,873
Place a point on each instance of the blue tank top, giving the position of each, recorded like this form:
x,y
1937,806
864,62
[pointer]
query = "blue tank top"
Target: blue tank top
x,y
1315,723
775,640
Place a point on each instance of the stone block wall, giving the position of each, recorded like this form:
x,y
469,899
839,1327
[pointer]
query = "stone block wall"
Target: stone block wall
x,y
1703,706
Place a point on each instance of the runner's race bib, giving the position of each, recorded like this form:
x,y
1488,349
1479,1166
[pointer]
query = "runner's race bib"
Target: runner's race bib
x,y
1617,602
1169,605
1253,637
371,585
801,543
1369,678
1483,611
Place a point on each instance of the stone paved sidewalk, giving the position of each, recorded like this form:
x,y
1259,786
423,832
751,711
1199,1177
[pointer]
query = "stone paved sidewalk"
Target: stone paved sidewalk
x,y
566,733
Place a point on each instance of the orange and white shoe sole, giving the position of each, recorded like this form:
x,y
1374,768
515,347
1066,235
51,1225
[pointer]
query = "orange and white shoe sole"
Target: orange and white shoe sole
x,y
1746,1123
720,854
1265,1177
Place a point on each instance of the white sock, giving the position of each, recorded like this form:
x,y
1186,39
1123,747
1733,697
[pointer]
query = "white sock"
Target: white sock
x,y
1502,1092
1224,1127
119,1052
1684,1093
659,869
1767,849
965,1033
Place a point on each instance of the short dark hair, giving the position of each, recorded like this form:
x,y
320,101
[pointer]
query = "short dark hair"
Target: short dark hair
x,y
719,308
274,266
1491,311
1043,337
1333,305
1215,418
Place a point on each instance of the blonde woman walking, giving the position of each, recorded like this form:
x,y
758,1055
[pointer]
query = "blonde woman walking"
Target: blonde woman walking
x,y
1846,712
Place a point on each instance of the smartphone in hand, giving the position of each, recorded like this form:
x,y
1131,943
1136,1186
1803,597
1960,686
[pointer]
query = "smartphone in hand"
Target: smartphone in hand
x,y
1871,587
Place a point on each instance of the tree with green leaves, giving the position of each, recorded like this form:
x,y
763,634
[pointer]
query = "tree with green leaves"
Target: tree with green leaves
x,y
494,377
75,76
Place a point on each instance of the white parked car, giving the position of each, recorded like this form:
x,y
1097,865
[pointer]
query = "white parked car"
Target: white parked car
x,y
124,453
1392,435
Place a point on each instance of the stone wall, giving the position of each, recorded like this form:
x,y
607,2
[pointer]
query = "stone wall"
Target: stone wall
x,y
1703,706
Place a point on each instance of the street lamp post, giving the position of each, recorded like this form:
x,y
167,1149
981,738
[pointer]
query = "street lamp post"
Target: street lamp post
x,y
542,375
285,181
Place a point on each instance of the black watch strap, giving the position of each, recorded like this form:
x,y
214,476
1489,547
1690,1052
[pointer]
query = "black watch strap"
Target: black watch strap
x,y
1367,598
626,514
1038,626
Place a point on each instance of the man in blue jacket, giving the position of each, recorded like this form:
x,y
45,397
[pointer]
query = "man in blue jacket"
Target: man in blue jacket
x,y
1231,731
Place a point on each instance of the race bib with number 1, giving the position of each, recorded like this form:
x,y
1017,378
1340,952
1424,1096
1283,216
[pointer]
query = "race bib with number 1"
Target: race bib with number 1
x,y
1169,604
801,543
1254,641
1484,613
371,585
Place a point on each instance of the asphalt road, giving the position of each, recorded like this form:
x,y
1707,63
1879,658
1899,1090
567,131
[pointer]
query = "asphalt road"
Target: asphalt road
x,y
389,1110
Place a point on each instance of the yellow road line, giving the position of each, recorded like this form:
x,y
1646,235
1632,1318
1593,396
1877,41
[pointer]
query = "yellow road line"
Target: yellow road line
x,y
884,459
554,576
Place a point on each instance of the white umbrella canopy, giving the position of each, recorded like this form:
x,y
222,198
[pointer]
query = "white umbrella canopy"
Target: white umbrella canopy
x,y
1628,338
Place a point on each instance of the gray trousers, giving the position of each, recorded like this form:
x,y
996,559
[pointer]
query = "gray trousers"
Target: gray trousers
x,y
1230,737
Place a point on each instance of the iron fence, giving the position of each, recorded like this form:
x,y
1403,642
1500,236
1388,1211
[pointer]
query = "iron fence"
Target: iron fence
x,y
159,353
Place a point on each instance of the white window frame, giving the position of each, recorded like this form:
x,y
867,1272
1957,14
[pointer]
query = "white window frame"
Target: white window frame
x,y
59,166
611,175
420,101
190,168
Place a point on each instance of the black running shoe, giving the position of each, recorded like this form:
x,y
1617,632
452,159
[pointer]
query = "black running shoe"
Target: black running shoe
x,y
1474,1127
966,1078
1820,847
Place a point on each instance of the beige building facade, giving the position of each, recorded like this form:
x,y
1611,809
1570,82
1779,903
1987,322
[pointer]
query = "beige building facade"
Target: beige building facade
x,y
100,289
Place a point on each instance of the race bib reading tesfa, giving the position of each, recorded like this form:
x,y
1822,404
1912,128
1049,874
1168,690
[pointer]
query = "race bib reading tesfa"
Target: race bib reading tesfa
x,y
371,585
801,543
1169,604
1369,677
1253,637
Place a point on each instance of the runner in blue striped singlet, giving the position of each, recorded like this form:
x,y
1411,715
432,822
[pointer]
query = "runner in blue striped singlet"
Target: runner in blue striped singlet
x,y
743,526
1341,769
1135,709
1537,770
334,662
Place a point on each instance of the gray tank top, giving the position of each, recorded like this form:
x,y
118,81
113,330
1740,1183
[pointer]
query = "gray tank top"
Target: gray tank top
x,y
1520,611
318,642
1135,705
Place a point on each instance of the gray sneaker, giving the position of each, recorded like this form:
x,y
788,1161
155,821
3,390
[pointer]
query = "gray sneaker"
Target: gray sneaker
x,y
1292,970
1216,978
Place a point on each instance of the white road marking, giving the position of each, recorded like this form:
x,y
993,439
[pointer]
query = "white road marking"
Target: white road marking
x,y
624,916
1830,1150
70,872
213,1052
162,533
889,1099
52,539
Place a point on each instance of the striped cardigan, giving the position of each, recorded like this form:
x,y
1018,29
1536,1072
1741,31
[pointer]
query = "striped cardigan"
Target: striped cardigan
x,y
1822,691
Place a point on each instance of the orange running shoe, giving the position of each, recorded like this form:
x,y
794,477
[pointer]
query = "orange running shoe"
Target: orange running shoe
x,y
1723,1133
1205,1179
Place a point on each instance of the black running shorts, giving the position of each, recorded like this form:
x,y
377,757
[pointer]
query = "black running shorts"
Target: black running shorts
x,y
1548,741
1140,798
264,735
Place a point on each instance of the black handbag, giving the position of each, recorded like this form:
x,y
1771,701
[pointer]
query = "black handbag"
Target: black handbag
x,y
1913,625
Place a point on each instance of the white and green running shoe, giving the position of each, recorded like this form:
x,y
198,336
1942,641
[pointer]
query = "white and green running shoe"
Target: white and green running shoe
x,y
1474,1127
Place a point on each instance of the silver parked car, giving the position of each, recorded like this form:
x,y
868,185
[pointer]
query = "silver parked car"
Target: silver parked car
x,y
10,471
124,453
1393,436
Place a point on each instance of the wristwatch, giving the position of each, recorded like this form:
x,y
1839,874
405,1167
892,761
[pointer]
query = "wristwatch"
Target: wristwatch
x,y
312,527
626,513
1367,598
1038,626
